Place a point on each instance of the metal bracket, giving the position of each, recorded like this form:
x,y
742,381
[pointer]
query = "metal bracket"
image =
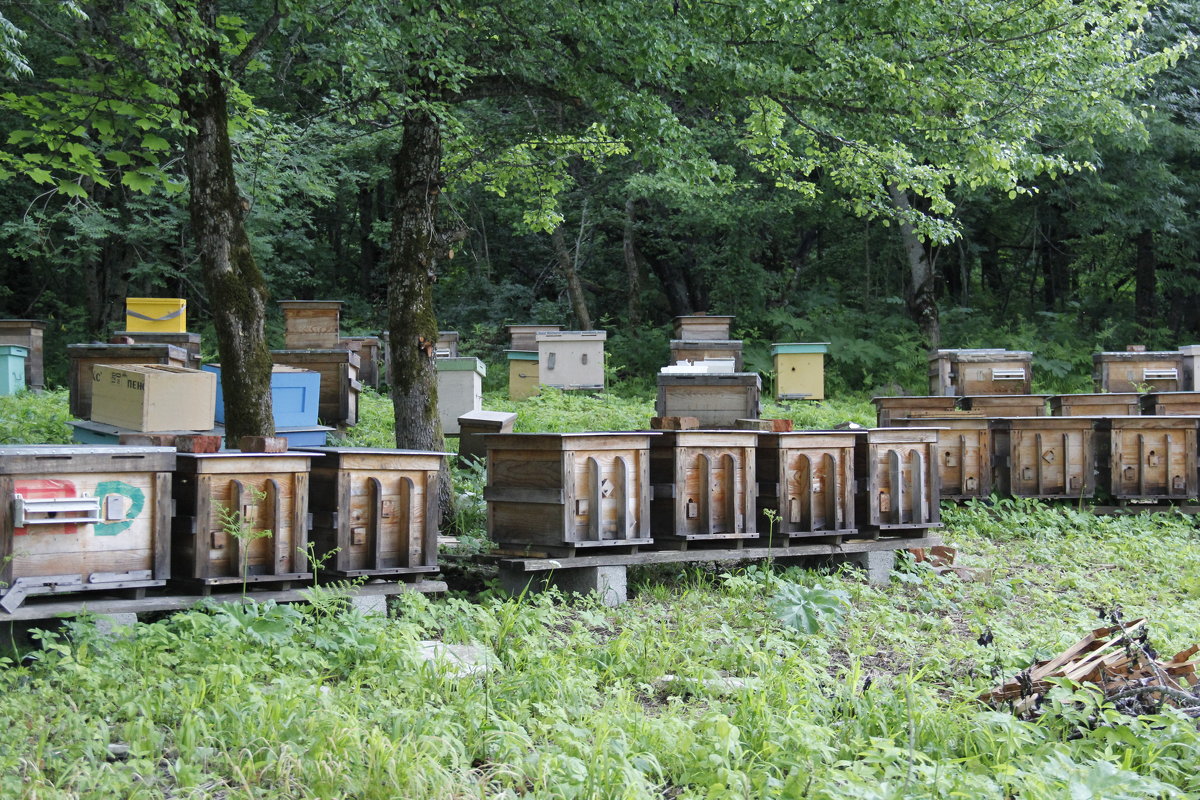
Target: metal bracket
x,y
85,510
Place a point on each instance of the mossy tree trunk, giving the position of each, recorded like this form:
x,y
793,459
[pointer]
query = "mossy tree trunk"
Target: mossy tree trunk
x,y
415,248
922,294
237,293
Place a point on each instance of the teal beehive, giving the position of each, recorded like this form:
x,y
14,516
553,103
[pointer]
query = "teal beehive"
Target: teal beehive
x,y
12,368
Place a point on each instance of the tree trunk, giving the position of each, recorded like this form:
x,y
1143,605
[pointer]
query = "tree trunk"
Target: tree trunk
x,y
237,293
922,298
1145,292
567,262
412,326
633,265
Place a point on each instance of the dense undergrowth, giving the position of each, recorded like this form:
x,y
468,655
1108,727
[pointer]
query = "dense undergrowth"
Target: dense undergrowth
x,y
876,701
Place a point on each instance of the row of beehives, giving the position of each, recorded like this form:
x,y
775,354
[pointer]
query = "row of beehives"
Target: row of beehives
x,y
1123,458
74,519
553,492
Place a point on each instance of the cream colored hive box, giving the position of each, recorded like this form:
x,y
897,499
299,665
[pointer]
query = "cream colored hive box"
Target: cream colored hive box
x,y
460,389
571,359
522,374
154,397
799,370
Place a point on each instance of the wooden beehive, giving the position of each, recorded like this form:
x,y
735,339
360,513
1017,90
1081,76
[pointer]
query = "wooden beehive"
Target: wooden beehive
x,y
523,380
189,342
85,356
311,324
702,326
1101,404
375,512
27,333
75,519
1005,405
338,404
983,371
524,337
964,454
447,344
562,491
897,480
807,479
1138,371
571,359
704,484
1184,404
269,492
890,408
716,400
704,349
370,358
1046,457
1147,458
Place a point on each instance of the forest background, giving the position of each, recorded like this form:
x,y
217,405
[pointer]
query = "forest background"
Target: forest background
x,y
882,176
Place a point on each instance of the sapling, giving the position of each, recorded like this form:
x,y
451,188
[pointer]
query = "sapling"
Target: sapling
x,y
235,524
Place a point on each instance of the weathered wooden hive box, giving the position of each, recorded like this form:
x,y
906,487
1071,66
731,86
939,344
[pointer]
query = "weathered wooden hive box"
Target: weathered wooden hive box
x,y
1047,457
717,400
311,324
1147,458
371,367
153,397
85,356
1101,404
568,490
705,485
806,478
375,512
990,371
338,404
522,374
190,342
524,337
964,454
447,344
27,333
571,359
1138,371
1186,404
266,491
702,326
1189,352
704,349
1005,405
75,519
799,370
897,480
156,314
890,408
460,389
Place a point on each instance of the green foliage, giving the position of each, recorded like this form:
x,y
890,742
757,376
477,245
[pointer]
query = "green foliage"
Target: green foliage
x,y
32,418
555,411
809,609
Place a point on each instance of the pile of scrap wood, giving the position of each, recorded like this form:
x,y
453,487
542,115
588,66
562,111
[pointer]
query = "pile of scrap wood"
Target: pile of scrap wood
x,y
1120,662
940,559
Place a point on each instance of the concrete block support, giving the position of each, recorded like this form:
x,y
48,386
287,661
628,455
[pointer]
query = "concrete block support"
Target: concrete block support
x,y
370,604
610,582
116,624
878,564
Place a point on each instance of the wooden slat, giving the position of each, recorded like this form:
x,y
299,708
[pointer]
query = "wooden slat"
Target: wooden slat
x,y
520,495
375,527
432,489
160,524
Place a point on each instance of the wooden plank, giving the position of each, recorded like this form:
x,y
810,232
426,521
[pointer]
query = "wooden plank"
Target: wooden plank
x,y
160,524
521,495
429,548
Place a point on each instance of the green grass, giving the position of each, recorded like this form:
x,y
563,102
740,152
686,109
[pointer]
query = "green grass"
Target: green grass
x,y
285,703
32,418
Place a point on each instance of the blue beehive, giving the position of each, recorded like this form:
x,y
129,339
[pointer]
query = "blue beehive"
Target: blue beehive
x,y
295,396
12,368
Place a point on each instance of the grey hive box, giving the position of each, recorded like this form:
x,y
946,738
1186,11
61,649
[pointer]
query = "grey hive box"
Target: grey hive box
x,y
717,400
571,359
